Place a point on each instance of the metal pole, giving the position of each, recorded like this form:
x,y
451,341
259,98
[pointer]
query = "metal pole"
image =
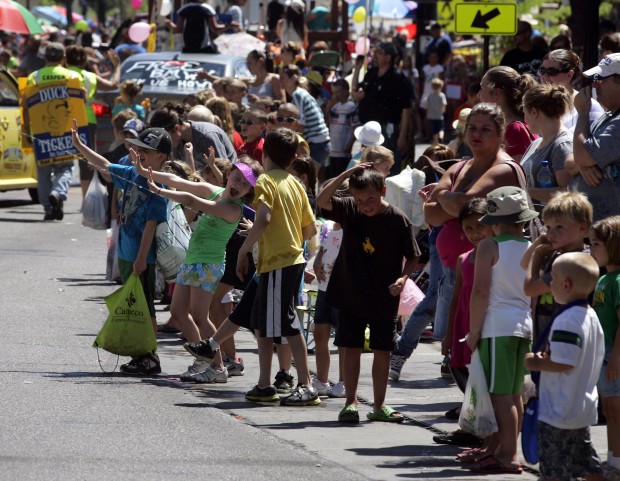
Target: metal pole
x,y
485,54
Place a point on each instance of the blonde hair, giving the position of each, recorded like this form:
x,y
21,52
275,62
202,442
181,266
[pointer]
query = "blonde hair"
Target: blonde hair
x,y
437,83
570,205
377,154
580,268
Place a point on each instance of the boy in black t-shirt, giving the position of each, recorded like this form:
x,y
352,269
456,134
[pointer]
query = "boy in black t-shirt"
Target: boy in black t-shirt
x,y
367,279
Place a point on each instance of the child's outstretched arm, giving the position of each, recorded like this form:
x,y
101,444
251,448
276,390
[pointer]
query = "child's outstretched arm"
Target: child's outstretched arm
x,y
199,189
486,257
540,361
261,221
226,210
97,161
324,199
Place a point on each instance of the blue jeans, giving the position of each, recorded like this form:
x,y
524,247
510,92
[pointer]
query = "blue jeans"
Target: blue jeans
x,y
319,152
53,178
435,305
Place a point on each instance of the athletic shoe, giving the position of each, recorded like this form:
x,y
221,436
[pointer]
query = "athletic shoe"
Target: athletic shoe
x,y
262,394
56,203
211,375
283,382
234,366
445,370
142,365
301,396
48,217
321,387
337,390
396,365
195,368
427,335
200,350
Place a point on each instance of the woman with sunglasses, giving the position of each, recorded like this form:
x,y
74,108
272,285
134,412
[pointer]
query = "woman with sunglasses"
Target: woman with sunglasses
x,y
562,67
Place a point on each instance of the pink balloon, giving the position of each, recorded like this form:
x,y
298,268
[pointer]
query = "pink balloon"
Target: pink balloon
x,y
136,4
362,45
139,32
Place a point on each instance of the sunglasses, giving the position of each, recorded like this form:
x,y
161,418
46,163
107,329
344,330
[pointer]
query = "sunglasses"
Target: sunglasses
x,y
552,71
248,122
288,120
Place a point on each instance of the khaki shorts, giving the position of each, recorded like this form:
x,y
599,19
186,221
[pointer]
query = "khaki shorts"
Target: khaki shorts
x,y
503,362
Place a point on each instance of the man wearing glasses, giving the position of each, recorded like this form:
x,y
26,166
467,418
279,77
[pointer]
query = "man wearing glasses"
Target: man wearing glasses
x,y
525,57
595,146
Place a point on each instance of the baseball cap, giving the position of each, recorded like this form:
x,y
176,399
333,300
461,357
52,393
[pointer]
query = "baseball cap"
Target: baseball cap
x,y
389,48
610,65
247,172
54,51
507,205
314,77
134,127
154,139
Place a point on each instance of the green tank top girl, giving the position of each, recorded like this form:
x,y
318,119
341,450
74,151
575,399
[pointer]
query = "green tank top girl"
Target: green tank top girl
x,y
208,242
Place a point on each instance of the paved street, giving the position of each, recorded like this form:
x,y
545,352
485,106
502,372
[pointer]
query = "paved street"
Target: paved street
x,y
62,418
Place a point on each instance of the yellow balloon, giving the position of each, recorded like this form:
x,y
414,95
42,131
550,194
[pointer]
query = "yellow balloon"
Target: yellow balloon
x,y
359,15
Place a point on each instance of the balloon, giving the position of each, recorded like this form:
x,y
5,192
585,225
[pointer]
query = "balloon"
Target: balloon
x,y
351,2
136,4
139,32
359,15
166,8
362,45
359,28
81,26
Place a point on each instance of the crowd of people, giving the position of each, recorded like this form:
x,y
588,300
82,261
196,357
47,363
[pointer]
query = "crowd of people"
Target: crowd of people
x,y
522,209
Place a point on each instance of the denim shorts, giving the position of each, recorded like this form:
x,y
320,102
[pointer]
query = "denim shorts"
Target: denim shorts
x,y
323,312
607,388
205,276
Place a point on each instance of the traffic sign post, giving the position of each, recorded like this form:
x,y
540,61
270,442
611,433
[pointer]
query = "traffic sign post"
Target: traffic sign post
x,y
489,18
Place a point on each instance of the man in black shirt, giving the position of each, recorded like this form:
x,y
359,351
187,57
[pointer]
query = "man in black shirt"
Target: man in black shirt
x,y
525,57
385,96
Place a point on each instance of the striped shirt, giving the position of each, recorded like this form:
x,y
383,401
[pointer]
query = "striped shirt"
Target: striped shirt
x,y
310,116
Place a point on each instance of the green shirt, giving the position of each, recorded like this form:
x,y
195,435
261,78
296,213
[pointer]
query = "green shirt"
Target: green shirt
x,y
89,80
51,74
208,242
605,303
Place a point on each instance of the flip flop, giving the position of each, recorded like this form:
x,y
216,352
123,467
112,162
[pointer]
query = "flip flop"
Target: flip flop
x,y
471,455
492,465
385,414
349,414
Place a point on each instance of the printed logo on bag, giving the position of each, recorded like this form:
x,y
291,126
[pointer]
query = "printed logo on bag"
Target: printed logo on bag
x,y
131,300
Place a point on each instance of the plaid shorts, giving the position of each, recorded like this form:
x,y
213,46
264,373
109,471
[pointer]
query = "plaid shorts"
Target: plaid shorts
x,y
566,454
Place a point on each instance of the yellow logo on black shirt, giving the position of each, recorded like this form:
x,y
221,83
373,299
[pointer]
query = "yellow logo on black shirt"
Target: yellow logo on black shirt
x,y
368,247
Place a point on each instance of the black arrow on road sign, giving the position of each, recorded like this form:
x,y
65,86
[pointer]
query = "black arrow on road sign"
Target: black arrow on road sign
x,y
481,20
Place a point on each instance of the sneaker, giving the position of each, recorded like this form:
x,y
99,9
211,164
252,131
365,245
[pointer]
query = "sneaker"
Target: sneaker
x,y
234,366
321,387
48,217
200,350
211,375
337,390
262,394
56,203
142,365
301,396
283,382
396,365
427,335
195,368
445,370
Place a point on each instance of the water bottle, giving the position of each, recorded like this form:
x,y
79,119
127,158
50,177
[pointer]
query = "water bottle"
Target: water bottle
x,y
544,178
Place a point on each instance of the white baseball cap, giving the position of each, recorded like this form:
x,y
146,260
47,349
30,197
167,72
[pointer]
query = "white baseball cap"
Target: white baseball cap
x,y
610,65
370,133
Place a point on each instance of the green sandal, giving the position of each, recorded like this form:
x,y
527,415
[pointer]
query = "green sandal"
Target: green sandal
x,y
385,414
349,414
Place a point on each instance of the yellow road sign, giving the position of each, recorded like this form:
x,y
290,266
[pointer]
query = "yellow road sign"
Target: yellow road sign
x,y
445,14
485,18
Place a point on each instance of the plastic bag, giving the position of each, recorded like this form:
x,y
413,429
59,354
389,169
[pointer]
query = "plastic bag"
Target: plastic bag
x,y
410,297
172,240
529,431
112,273
128,330
95,205
477,416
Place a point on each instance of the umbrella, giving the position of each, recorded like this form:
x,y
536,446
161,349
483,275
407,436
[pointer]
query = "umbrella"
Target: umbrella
x,y
18,19
55,14
239,44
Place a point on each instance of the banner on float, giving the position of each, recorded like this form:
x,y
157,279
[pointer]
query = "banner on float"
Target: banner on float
x,y
51,110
